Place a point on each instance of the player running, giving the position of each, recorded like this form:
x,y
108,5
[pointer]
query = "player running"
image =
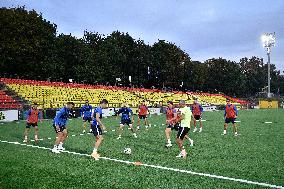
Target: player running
x,y
185,122
171,116
59,124
197,115
230,115
98,127
142,114
86,113
126,118
33,116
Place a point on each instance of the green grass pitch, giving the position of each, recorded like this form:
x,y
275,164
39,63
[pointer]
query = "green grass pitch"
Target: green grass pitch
x,y
256,155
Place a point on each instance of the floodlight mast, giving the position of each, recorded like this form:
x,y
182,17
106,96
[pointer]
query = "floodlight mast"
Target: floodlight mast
x,y
268,41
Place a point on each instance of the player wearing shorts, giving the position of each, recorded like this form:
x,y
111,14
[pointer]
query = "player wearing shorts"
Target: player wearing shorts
x,y
126,118
197,115
86,114
171,116
98,127
33,116
59,125
230,115
142,114
185,122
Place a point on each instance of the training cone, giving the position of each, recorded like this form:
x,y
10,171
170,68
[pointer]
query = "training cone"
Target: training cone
x,y
137,163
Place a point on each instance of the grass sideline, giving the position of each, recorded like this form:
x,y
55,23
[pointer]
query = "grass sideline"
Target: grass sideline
x,y
256,155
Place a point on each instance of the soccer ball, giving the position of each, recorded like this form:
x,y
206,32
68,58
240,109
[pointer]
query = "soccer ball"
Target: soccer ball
x,y
127,151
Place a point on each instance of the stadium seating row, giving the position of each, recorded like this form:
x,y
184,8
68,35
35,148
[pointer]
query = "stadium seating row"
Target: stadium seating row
x,y
7,102
55,94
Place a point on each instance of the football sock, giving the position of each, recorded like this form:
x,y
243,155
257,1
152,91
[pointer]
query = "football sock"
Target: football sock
x,y
60,145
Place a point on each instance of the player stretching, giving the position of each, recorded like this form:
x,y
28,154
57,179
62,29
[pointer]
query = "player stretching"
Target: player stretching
x,y
97,127
125,119
171,116
32,120
230,116
86,113
186,117
197,114
142,114
59,124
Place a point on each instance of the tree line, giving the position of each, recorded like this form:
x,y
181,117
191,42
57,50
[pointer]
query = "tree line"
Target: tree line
x,y
31,48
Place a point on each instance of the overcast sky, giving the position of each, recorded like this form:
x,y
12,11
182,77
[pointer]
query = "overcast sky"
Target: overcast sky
x,y
203,28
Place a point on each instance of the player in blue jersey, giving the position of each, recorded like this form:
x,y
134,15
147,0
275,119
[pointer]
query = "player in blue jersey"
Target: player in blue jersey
x,y
59,124
126,118
98,127
86,114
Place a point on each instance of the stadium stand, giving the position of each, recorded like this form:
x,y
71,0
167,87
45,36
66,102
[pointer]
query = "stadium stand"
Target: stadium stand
x,y
7,102
55,94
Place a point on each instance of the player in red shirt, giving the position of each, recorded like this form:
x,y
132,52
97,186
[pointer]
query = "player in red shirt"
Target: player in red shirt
x,y
171,117
197,110
142,114
230,115
32,120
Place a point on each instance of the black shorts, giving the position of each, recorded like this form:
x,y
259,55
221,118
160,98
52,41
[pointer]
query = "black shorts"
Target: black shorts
x,y
85,119
142,116
96,129
197,117
174,126
230,120
61,128
31,124
125,121
182,131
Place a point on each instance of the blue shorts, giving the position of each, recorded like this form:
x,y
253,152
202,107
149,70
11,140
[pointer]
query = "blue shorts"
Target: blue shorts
x,y
61,128
85,119
96,129
125,121
230,120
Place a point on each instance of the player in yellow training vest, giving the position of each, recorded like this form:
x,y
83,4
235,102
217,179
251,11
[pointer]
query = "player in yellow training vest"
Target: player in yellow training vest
x,y
186,118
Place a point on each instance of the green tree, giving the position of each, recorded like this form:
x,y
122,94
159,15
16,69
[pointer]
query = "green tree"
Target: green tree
x,y
224,76
74,60
27,43
196,76
169,65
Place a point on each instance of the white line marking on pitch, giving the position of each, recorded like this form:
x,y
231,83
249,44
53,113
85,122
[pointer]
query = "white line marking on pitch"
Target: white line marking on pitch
x,y
268,122
163,168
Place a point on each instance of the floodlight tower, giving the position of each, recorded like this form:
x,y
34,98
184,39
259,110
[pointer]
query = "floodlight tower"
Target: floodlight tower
x,y
268,41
